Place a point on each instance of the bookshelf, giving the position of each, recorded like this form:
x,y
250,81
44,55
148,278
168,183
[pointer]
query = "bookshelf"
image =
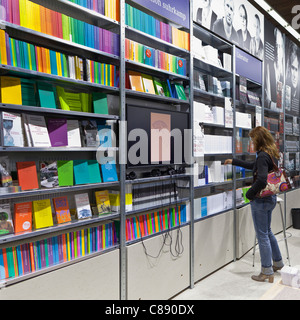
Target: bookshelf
x,y
182,210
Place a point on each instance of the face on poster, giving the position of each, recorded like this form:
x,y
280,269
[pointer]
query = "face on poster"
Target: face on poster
x,y
292,85
274,67
235,20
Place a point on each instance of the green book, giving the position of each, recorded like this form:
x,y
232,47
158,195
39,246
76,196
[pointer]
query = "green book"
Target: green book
x,y
180,91
100,103
62,98
85,99
159,89
65,173
47,96
166,89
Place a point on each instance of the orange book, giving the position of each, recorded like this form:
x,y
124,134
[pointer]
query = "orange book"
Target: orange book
x,y
32,256
48,22
23,217
3,51
27,175
61,207
39,59
136,82
43,19
64,247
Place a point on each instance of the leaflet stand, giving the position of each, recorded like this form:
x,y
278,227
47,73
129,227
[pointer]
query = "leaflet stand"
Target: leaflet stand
x,y
279,200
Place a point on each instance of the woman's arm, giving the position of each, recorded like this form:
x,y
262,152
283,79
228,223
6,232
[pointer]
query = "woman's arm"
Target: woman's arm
x,y
240,163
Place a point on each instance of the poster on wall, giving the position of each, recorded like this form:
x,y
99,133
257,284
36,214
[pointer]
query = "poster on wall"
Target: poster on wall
x,y
238,21
177,11
274,67
292,85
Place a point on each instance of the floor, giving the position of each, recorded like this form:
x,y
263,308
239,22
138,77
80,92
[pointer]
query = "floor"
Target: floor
x,y
233,282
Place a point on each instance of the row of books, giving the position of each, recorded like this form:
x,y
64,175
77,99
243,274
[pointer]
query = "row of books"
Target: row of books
x,y
155,58
21,54
216,203
33,16
208,114
37,255
144,22
38,214
64,173
273,124
44,132
27,92
292,128
144,83
148,224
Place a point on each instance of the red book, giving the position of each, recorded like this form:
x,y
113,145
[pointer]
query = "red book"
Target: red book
x,y
27,175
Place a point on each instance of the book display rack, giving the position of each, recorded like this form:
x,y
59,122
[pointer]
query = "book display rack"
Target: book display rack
x,y
84,174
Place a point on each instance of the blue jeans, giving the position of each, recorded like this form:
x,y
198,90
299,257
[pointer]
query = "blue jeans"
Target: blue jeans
x,y
268,246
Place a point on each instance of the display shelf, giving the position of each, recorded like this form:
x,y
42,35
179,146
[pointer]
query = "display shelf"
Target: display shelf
x,y
44,192
81,13
66,113
57,44
154,42
214,70
158,179
57,229
57,149
208,96
21,72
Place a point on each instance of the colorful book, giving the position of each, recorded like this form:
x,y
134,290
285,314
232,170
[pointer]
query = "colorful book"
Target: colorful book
x,y
12,130
61,207
23,217
11,92
65,173
42,214
109,170
148,84
27,175
94,171
136,82
58,132
159,89
81,172
46,96
83,206
102,201
6,223
100,103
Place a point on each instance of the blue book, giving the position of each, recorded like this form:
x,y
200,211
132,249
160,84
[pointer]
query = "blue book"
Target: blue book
x,y
26,56
104,134
203,207
19,259
53,64
170,88
109,170
81,172
94,171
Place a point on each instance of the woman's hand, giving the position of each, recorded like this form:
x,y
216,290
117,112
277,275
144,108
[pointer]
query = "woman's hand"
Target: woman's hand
x,y
228,161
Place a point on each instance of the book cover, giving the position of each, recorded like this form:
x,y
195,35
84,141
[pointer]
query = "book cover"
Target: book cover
x,y
11,92
81,172
23,217
94,171
38,131
136,82
61,207
46,96
6,223
12,130
58,132
90,130
180,91
27,175
159,89
109,170
65,173
48,174
104,133
100,103
102,201
74,139
83,206
42,214
148,84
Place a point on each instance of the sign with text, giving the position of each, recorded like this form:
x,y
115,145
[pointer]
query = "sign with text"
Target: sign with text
x,y
174,10
248,66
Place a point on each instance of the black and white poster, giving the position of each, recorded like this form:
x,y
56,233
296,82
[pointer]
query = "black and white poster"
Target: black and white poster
x,y
274,67
237,21
292,84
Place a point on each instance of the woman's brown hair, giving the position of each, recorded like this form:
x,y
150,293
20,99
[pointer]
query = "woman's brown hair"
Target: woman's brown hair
x,y
264,141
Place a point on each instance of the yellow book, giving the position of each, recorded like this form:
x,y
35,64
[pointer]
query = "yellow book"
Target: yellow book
x,y
3,52
106,8
22,9
58,64
42,214
48,65
102,201
11,90
148,84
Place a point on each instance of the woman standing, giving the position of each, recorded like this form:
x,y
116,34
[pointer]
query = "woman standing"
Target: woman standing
x,y
264,144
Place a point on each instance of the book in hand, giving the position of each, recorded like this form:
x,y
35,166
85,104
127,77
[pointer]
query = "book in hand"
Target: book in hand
x,y
42,214
12,130
6,223
102,201
62,211
23,217
27,175
83,206
48,174
38,131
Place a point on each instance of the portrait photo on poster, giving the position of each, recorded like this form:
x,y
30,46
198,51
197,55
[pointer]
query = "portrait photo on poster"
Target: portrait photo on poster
x,y
237,21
